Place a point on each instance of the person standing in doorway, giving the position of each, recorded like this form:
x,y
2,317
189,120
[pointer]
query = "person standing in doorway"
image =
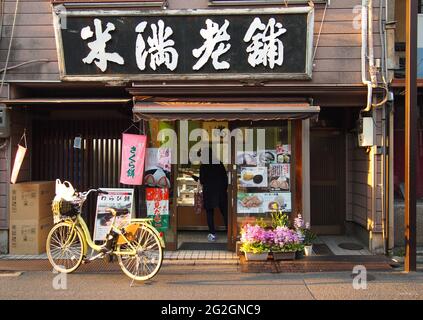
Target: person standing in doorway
x,y
214,180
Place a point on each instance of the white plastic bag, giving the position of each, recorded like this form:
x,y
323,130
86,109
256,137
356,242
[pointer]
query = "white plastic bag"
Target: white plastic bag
x,y
64,190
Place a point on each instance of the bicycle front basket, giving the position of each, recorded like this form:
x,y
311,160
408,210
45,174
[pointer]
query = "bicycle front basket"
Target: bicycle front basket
x,y
63,209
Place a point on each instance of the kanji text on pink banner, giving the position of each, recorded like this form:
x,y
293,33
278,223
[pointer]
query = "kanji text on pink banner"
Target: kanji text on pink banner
x,y
133,157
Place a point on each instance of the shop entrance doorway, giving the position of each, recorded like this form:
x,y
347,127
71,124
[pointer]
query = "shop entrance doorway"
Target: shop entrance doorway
x,y
327,179
192,221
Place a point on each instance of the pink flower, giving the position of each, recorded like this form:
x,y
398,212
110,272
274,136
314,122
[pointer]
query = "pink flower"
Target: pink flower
x,y
299,222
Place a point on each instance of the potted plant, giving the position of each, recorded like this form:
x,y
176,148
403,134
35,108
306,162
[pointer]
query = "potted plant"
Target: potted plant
x,y
306,235
286,243
309,237
255,242
279,218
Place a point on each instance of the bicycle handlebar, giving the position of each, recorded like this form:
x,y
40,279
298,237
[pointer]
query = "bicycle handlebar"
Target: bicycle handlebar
x,y
85,194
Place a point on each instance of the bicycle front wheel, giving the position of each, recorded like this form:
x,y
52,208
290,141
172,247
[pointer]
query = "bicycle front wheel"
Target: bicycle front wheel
x,y
147,260
65,247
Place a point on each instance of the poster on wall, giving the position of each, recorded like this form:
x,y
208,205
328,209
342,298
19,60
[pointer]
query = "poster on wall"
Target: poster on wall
x,y
250,203
278,200
283,153
248,158
253,177
263,202
121,199
279,177
157,167
266,157
158,207
133,155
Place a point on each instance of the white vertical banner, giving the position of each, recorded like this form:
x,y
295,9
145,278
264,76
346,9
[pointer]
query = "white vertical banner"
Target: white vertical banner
x,y
20,155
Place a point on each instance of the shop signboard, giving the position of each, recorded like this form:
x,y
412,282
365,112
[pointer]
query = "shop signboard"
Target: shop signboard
x,y
212,44
158,207
121,199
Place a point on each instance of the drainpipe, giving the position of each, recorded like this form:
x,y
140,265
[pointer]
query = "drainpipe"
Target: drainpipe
x,y
365,37
387,107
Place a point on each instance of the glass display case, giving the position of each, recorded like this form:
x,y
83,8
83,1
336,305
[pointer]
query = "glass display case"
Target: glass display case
x,y
186,186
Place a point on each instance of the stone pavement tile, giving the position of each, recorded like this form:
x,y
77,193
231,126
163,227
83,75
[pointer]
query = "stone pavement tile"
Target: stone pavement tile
x,y
215,262
188,255
228,255
181,255
174,255
179,262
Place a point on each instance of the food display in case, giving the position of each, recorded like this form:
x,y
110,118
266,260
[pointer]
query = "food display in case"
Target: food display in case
x,y
188,217
186,187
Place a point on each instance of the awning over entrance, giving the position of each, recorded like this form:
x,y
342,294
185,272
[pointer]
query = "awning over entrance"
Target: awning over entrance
x,y
223,111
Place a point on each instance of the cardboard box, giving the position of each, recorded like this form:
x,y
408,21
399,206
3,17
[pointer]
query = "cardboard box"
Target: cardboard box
x,y
31,200
29,236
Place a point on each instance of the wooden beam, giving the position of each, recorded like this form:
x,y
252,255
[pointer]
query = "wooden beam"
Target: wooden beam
x,y
410,135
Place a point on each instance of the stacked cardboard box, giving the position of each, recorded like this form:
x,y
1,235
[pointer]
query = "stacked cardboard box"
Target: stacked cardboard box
x,y
30,216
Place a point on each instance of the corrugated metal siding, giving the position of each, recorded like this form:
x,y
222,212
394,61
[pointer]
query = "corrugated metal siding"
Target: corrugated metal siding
x,y
337,58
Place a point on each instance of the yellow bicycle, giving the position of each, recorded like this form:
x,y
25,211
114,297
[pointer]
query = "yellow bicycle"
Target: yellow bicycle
x,y
137,245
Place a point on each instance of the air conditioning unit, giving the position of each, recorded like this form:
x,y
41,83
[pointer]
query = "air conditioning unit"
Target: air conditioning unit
x,y
4,121
366,131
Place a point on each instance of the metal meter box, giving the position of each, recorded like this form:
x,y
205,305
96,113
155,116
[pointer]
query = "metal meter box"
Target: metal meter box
x,y
366,132
4,121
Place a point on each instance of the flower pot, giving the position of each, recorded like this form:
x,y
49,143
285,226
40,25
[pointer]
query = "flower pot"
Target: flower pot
x,y
299,254
249,256
284,255
308,250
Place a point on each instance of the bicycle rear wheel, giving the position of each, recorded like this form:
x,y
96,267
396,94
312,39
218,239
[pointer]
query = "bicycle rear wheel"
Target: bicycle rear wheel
x,y
65,247
146,263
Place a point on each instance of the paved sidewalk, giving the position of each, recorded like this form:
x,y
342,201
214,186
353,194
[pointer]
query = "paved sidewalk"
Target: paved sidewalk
x,y
168,255
210,283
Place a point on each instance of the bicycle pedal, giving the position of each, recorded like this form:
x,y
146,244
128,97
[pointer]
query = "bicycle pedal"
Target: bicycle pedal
x,y
109,257
106,251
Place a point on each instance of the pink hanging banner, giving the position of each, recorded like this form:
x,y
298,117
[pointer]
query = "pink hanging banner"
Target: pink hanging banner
x,y
133,157
20,155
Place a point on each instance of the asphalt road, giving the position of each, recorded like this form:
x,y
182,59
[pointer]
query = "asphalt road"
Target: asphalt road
x,y
209,283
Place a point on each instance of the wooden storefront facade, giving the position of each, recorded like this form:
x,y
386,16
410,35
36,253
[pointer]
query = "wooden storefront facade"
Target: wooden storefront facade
x,y
336,183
